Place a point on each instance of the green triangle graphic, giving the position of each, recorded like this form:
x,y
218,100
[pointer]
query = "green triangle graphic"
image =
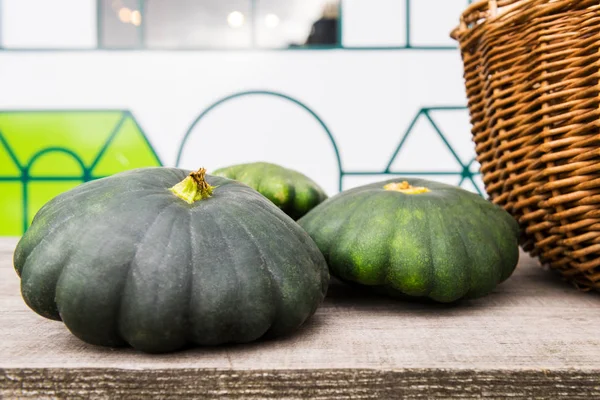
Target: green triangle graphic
x,y
11,209
84,132
423,136
128,150
7,165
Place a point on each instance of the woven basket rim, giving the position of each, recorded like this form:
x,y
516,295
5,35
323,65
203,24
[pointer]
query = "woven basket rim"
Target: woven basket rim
x,y
485,12
480,12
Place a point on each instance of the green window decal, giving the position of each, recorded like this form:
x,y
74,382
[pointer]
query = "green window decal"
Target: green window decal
x,y
44,153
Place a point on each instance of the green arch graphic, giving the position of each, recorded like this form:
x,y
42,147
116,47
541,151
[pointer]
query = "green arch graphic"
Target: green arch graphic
x,y
62,150
27,177
264,93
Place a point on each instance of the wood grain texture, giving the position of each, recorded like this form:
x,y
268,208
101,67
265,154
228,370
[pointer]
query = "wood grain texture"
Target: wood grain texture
x,y
297,384
534,336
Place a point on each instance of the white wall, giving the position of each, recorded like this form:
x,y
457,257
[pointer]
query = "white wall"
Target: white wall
x,y
367,98
374,23
48,23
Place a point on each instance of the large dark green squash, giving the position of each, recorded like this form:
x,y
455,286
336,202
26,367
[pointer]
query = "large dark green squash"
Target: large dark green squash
x,y
418,238
125,260
293,192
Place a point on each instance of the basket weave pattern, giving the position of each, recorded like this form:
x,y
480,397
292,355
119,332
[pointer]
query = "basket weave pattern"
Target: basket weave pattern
x,y
532,72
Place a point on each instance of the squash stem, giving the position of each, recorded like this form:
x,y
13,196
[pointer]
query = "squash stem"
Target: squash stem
x,y
193,188
406,188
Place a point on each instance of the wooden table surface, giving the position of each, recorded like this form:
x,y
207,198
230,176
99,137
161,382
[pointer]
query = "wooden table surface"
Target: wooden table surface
x,y
535,336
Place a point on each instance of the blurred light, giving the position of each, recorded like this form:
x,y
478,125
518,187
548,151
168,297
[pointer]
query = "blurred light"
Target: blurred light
x,y
136,18
271,21
235,19
125,15
116,5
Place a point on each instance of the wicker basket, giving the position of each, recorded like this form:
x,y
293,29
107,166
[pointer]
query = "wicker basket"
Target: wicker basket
x,y
532,72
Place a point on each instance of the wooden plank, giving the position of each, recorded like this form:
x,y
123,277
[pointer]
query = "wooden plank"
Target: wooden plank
x,y
7,246
534,334
297,384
